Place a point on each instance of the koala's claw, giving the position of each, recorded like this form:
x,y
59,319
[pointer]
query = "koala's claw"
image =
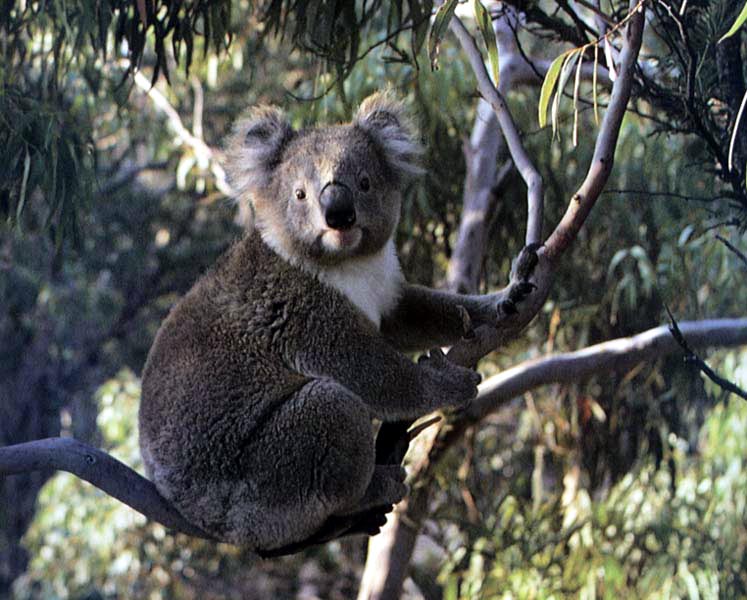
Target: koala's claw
x,y
451,384
520,290
526,262
507,308
520,287
437,354
435,357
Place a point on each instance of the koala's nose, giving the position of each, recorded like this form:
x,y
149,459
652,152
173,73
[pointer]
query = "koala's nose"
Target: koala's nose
x,y
338,206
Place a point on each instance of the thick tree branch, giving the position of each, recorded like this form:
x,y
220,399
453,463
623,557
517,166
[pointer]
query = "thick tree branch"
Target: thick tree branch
x,y
618,355
100,469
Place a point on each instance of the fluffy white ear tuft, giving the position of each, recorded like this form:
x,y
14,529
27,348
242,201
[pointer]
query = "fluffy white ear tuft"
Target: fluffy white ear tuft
x,y
255,147
386,119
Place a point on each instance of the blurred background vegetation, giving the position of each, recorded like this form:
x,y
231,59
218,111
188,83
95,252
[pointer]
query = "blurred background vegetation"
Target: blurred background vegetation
x,y
631,484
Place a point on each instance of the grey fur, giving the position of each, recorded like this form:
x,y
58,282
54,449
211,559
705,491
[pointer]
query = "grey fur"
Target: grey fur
x,y
260,387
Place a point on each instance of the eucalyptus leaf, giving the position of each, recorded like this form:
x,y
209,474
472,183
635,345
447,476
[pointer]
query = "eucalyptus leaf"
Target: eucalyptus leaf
x,y
548,85
485,24
741,18
565,74
440,23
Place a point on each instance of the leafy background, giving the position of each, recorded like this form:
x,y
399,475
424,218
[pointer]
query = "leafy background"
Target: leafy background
x,y
629,484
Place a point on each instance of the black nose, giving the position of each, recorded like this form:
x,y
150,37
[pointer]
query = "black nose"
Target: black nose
x,y
338,206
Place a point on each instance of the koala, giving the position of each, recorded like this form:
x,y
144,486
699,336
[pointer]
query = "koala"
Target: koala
x,y
262,385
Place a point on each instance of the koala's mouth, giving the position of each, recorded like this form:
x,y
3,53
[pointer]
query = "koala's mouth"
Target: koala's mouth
x,y
336,240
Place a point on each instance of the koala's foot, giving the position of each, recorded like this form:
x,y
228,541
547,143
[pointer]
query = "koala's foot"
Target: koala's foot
x,y
520,287
368,522
387,489
452,385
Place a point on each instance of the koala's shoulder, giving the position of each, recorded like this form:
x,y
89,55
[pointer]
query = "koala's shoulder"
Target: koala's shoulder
x,y
249,291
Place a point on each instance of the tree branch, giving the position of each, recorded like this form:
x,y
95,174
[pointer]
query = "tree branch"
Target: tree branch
x,y
100,469
484,150
604,150
521,159
205,155
391,550
618,355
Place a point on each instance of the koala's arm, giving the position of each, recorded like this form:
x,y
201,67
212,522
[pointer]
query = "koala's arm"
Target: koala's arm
x,y
426,318
391,385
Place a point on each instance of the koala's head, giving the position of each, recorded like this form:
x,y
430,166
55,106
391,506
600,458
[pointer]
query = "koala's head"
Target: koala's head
x,y
325,194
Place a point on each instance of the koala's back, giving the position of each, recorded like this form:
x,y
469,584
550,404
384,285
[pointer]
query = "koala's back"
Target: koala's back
x,y
220,368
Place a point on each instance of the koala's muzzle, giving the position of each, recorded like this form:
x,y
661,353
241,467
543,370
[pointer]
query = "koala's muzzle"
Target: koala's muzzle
x,y
338,206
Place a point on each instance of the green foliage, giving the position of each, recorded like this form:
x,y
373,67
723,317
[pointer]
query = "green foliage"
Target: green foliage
x,y
60,62
672,530
47,147
485,25
86,30
335,31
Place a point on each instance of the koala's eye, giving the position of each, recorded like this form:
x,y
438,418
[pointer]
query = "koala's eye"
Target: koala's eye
x,y
300,194
365,183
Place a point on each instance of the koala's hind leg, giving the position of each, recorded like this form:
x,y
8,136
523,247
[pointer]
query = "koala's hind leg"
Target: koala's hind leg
x,y
368,515
318,461
369,523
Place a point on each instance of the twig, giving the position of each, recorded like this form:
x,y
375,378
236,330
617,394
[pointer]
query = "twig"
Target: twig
x,y
689,198
691,357
733,248
205,154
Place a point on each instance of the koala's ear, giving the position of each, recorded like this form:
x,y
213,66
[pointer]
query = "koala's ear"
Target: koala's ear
x,y
256,146
386,119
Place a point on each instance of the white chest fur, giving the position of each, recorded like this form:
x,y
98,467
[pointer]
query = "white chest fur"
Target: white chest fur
x,y
371,283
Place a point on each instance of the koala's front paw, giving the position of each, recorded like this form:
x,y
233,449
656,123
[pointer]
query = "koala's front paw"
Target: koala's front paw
x,y
450,384
520,286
